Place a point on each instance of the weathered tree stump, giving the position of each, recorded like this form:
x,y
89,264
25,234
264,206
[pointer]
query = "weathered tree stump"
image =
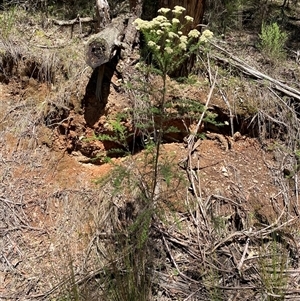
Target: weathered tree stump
x,y
102,53
102,47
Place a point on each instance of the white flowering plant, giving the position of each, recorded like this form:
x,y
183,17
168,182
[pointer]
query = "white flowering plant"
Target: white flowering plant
x,y
165,39
169,40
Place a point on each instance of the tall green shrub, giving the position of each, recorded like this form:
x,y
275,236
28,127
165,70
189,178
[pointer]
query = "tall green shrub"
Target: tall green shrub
x,y
272,41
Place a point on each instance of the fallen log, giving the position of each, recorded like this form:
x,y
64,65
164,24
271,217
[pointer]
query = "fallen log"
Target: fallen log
x,y
102,47
245,68
102,53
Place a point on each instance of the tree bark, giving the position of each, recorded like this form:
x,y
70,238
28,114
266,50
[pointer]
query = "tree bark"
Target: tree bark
x,y
194,8
77,20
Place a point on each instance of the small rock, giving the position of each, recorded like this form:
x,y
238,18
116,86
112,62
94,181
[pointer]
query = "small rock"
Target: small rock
x,y
224,169
224,172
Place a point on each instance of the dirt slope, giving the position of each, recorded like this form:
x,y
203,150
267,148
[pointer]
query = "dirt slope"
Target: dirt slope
x,y
49,200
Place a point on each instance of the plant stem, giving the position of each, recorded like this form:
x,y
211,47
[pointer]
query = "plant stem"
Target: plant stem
x,y
159,136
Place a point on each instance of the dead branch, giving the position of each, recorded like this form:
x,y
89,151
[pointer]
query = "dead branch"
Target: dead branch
x,y
248,70
77,20
175,264
191,138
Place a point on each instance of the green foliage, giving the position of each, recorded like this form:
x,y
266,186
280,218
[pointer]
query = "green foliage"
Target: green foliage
x,y
70,290
66,9
272,41
273,263
192,79
140,228
7,21
211,281
192,109
134,282
128,273
167,172
219,223
119,133
225,15
188,107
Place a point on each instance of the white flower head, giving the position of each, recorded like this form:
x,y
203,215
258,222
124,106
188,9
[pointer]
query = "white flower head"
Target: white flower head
x,y
183,39
159,32
165,24
173,35
189,18
163,10
139,23
194,33
208,34
203,39
154,23
169,50
178,9
136,21
182,46
175,21
143,25
160,19
151,44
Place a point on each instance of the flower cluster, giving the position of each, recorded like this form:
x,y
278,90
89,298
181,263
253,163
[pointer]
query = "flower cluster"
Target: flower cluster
x,y
206,36
178,10
164,36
